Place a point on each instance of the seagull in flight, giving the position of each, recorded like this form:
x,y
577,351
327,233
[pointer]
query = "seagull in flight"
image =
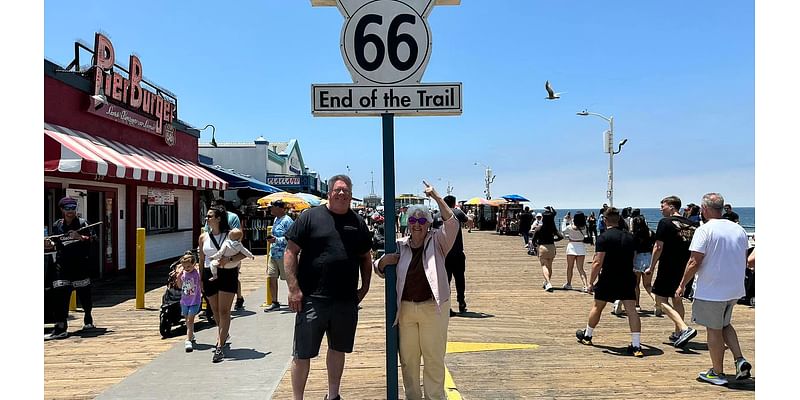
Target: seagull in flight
x,y
551,95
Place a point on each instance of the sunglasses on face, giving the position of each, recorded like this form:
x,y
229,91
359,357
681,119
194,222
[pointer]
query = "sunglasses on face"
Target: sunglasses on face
x,y
415,220
209,216
342,191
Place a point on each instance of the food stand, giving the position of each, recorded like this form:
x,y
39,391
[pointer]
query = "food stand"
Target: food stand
x,y
508,220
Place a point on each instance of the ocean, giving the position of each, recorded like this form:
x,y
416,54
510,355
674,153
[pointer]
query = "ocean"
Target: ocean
x,y
747,216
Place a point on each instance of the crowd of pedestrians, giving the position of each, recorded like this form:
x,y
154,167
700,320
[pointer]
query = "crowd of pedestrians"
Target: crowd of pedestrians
x,y
699,253
702,259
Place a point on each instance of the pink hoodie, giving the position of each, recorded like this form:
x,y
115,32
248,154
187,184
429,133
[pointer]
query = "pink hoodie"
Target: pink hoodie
x,y
438,243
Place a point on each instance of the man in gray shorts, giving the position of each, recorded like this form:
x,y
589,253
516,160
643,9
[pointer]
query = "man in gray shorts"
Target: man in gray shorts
x,y
323,283
718,258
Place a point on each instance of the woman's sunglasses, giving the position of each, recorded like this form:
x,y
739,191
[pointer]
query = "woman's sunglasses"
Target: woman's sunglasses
x,y
420,220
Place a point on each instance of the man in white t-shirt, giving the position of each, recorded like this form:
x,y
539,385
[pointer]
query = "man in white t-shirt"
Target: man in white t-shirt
x,y
718,258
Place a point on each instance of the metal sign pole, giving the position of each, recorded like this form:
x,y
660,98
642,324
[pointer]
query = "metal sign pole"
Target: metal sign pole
x,y
390,246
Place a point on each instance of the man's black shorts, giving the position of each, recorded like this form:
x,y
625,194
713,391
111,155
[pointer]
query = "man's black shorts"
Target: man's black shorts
x,y
337,319
610,290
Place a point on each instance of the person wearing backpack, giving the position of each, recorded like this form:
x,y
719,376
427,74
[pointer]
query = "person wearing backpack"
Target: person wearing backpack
x,y
670,255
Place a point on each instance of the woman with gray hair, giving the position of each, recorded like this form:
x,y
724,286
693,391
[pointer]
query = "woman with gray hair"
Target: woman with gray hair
x,y
423,295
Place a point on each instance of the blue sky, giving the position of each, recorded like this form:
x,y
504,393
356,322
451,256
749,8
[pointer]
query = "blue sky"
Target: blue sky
x,y
677,76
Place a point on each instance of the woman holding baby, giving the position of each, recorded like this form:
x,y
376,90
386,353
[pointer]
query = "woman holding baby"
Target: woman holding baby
x,y
220,291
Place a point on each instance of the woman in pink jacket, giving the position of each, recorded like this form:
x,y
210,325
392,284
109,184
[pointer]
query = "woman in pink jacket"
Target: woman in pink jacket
x,y
423,296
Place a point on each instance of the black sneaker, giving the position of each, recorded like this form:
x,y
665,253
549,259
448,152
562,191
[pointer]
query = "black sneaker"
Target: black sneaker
x,y
582,338
218,355
674,336
239,303
272,307
635,351
742,369
462,308
686,335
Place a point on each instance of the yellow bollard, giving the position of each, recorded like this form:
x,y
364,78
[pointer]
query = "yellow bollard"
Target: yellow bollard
x,y
269,292
73,302
140,268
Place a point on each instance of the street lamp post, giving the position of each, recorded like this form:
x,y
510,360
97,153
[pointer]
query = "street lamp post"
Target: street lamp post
x,y
489,178
449,188
608,148
213,133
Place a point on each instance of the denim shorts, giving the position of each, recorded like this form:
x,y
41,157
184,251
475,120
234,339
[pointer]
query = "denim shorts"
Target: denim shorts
x,y
190,310
641,262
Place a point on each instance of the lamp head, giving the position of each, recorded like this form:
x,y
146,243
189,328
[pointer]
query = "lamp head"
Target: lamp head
x,y
99,100
582,113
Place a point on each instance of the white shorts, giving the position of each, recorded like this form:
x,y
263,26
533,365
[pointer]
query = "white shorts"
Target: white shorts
x,y
576,249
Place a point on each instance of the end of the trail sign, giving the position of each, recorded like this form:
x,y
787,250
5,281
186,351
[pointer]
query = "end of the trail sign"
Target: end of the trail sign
x,y
402,100
386,45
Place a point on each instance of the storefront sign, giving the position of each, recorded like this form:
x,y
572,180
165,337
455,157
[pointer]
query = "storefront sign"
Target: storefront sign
x,y
133,104
158,197
283,181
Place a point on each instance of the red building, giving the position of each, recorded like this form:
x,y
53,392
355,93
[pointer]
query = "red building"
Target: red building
x,y
114,142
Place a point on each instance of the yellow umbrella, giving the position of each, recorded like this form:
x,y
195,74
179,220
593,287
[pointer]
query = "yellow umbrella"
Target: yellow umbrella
x,y
292,200
476,201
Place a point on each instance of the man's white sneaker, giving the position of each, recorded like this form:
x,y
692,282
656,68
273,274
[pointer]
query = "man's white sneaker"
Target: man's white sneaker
x,y
617,308
187,345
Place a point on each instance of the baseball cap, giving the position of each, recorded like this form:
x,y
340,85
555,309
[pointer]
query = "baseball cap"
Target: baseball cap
x,y
538,214
278,203
68,203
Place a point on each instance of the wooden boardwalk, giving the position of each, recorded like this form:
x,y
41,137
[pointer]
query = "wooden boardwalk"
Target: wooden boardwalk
x,y
503,282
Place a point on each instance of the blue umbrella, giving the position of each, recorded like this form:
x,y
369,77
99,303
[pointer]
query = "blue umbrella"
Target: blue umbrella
x,y
514,197
309,198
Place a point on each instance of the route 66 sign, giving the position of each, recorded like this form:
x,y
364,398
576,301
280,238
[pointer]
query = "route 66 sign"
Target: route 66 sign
x,y
386,45
386,42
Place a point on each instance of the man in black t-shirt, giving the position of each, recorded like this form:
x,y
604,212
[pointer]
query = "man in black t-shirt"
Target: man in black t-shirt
x,y
729,214
613,279
323,282
456,261
671,252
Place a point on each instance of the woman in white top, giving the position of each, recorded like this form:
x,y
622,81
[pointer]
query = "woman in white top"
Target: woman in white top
x,y
221,291
470,220
576,249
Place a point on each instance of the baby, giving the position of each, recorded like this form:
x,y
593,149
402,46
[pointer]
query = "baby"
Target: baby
x,y
230,247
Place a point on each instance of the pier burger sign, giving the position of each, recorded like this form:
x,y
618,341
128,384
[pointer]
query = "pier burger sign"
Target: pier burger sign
x,y
386,45
133,105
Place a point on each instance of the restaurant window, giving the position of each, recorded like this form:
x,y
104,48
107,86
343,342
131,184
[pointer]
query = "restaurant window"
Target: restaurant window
x,y
160,218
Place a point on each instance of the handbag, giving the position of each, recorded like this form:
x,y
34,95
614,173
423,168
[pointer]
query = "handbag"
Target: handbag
x,y
587,239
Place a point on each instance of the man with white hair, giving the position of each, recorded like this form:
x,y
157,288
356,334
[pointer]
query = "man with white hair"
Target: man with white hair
x,y
717,263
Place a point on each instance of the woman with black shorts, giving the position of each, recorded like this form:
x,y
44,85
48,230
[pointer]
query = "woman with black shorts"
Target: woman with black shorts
x,y
221,291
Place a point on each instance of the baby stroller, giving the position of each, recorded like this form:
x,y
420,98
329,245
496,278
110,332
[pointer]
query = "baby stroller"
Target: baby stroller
x,y
170,313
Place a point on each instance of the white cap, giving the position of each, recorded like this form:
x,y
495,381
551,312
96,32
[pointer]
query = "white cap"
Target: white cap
x,y
538,214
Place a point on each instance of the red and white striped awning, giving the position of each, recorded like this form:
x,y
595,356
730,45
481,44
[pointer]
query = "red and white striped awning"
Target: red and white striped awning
x,y
68,150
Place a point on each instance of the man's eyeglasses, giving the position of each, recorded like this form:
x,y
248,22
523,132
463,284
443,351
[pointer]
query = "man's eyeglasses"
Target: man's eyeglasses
x,y
415,220
341,191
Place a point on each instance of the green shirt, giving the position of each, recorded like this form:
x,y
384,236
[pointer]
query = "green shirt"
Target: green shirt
x,y
403,219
